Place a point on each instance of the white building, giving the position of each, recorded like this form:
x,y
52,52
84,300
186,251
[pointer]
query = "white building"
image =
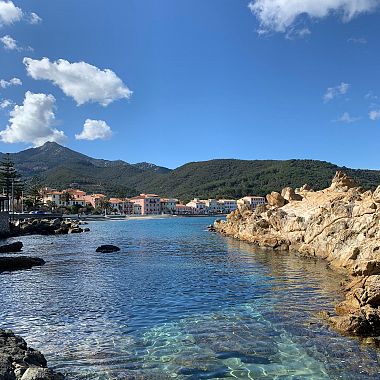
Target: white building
x,y
251,201
227,205
198,206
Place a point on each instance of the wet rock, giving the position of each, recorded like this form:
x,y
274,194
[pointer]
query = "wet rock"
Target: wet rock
x,y
20,362
45,227
8,264
33,373
10,248
107,248
75,230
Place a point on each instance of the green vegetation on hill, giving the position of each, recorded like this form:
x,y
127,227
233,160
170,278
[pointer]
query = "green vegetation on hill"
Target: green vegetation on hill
x,y
61,167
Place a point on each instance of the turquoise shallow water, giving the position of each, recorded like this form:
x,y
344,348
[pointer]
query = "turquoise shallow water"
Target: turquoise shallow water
x,y
178,302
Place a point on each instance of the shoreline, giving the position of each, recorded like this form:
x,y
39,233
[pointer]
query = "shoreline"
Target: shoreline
x,y
340,224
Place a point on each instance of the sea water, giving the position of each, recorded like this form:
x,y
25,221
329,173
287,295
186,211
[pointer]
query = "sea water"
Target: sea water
x,y
178,302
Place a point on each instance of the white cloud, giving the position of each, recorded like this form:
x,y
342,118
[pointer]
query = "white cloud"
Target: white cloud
x,y
80,80
33,121
347,118
5,103
12,82
95,130
333,92
279,15
359,40
34,19
9,43
9,13
374,114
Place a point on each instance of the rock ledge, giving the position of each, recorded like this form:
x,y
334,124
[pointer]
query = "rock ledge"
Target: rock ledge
x,y
340,224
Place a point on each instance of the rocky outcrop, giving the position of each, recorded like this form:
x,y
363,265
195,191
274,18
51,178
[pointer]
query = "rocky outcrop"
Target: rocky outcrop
x,y
340,224
46,227
107,248
290,195
12,247
10,264
20,362
275,199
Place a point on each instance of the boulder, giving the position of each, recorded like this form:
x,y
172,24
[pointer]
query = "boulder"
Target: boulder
x,y
275,199
342,181
34,373
75,230
376,195
289,194
8,264
306,187
10,248
107,248
20,362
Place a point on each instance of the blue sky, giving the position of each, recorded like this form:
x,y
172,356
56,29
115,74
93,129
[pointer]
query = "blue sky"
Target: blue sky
x,y
210,79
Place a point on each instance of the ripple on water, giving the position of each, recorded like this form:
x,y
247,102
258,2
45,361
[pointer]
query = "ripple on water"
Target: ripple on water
x,y
178,302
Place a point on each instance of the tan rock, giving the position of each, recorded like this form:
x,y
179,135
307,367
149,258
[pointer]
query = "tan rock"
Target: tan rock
x,y
342,181
290,195
340,224
275,199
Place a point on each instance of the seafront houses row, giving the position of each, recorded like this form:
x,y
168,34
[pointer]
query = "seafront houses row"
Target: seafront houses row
x,y
146,204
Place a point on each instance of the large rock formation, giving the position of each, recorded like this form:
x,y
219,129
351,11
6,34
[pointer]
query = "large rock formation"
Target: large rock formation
x,y
340,224
46,227
20,362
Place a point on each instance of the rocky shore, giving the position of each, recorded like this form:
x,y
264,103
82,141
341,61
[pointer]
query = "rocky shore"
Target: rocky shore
x,y
46,227
340,224
20,362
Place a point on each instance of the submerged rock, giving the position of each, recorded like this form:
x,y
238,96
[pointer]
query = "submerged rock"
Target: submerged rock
x,y
10,248
107,248
8,264
20,362
340,224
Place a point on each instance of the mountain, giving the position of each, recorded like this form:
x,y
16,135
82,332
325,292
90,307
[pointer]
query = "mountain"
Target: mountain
x,y
60,167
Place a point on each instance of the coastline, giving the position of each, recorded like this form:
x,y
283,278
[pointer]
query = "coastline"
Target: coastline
x,y
339,224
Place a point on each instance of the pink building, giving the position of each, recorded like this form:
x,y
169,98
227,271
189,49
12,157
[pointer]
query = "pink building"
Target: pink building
x,y
150,203
94,199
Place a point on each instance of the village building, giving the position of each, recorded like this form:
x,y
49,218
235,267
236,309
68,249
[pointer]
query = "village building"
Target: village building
x,y
251,201
150,203
198,206
168,205
227,205
95,200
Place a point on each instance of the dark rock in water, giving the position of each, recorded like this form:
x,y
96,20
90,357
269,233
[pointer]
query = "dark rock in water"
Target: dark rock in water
x,y
107,248
75,230
13,247
211,228
8,264
20,362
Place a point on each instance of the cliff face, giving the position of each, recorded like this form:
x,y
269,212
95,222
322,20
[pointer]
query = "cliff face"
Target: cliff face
x,y
340,224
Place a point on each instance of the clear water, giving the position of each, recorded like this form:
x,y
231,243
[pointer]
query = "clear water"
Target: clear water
x,y
178,302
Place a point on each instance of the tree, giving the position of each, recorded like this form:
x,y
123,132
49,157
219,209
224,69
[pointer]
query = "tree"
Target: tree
x,y
10,179
34,191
